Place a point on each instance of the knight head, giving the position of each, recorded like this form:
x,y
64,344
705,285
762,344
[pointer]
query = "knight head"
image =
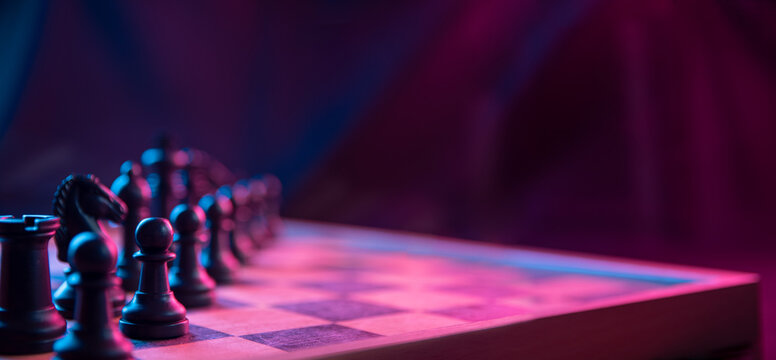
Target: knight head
x,y
97,200
79,202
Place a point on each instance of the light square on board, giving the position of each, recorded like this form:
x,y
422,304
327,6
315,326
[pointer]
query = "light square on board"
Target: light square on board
x,y
346,267
499,273
268,296
235,348
484,271
287,275
579,287
400,280
252,320
397,262
483,289
481,312
537,304
293,256
402,323
418,299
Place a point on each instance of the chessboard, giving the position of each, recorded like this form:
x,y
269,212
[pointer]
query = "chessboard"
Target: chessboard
x,y
331,291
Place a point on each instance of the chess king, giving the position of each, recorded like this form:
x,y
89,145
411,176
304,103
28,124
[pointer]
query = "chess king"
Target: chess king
x,y
80,202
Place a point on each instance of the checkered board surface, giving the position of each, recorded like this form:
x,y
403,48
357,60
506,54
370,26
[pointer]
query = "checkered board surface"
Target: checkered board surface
x,y
322,285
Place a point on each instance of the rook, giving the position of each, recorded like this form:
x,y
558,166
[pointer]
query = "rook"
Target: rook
x,y
29,323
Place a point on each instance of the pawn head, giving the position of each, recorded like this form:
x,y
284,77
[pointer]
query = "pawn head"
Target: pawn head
x,y
154,235
240,194
131,168
257,190
92,253
216,205
132,188
274,186
187,219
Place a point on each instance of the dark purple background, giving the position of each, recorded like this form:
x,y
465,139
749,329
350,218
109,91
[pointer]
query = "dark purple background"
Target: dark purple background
x,y
638,128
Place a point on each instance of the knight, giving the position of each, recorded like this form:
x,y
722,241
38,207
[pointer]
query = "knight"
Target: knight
x,y
80,202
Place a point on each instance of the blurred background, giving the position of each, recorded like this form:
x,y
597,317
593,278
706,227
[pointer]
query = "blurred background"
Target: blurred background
x,y
642,128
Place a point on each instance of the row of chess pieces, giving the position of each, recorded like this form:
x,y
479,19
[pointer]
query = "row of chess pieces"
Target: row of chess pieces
x,y
165,266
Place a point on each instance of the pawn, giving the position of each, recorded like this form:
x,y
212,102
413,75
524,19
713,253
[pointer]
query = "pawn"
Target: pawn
x,y
94,334
273,199
134,190
219,264
238,198
192,286
154,313
256,224
162,163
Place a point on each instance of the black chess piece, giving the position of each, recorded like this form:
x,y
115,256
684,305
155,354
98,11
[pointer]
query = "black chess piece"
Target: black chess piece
x,y
196,175
273,200
79,202
29,323
133,189
219,264
94,334
189,281
154,313
238,196
244,213
218,173
163,165
256,226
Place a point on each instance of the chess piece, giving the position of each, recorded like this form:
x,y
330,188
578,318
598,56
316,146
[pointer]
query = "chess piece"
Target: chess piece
x,y
273,200
256,226
79,202
220,265
238,197
189,281
133,189
154,313
218,173
29,323
163,164
243,213
196,175
94,334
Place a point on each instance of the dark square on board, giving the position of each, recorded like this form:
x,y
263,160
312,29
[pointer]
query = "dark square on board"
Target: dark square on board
x,y
338,309
308,337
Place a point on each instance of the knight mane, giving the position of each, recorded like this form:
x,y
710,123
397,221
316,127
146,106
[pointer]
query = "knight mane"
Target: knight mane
x,y
60,206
